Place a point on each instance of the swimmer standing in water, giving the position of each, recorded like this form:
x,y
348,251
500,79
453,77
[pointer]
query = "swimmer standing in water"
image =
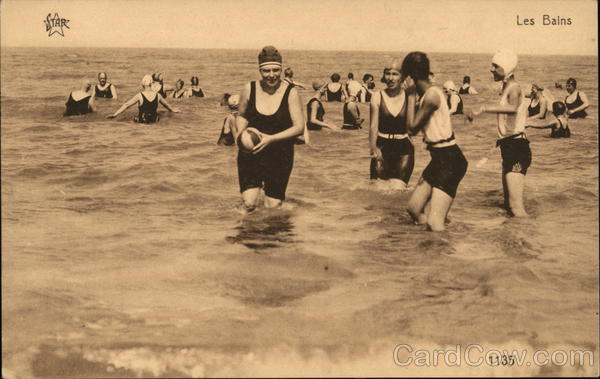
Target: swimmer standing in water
x,y
455,102
228,129
559,125
80,101
432,198
511,119
315,110
576,101
105,89
147,101
289,77
393,154
270,107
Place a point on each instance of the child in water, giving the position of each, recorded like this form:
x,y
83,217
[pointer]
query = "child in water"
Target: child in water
x,y
560,123
226,137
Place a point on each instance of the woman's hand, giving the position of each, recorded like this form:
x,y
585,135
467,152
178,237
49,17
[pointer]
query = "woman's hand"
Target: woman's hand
x,y
377,154
111,116
265,140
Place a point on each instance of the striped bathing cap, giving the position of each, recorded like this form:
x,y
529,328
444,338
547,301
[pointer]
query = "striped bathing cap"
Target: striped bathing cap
x,y
269,55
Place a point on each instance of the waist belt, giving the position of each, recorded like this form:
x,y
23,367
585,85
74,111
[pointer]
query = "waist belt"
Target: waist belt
x,y
511,137
431,144
392,136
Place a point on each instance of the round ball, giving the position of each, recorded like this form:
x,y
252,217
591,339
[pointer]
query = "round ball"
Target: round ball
x,y
249,139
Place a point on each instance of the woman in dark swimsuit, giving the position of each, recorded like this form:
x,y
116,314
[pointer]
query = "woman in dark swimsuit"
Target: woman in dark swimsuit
x,y
81,101
393,155
147,101
538,107
272,109
195,90
180,92
576,101
334,91
315,110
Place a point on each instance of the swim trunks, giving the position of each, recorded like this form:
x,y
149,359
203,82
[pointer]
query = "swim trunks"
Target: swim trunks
x,y
446,169
516,154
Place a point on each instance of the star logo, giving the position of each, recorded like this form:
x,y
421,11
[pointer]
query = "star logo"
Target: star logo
x,y
56,24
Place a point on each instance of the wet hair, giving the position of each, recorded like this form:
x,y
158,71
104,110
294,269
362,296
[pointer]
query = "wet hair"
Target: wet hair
x,y
194,80
350,75
367,77
558,108
335,77
416,65
467,79
572,82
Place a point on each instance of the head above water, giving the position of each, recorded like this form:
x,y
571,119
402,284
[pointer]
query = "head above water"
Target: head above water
x,y
507,60
288,73
147,81
558,108
335,77
571,85
194,80
350,76
102,77
233,102
157,77
179,84
318,84
449,86
367,78
466,79
416,65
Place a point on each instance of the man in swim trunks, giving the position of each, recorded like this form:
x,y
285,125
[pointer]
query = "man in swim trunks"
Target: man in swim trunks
x,y
271,108
511,119
105,89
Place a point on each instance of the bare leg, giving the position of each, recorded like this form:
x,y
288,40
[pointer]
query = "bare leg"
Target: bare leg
x,y
405,167
440,205
418,201
271,202
250,198
505,192
515,182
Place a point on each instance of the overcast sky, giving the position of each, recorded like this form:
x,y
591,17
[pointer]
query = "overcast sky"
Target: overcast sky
x,y
475,26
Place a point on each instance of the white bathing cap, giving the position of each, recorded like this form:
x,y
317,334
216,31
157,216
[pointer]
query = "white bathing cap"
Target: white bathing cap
x,y
449,85
147,80
507,60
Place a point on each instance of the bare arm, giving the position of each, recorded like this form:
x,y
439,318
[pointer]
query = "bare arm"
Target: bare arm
x,y
165,104
313,117
374,126
542,112
472,91
454,101
136,99
514,100
542,124
583,106
241,122
92,98
113,91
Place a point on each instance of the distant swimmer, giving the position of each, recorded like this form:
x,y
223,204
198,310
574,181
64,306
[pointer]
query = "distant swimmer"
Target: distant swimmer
x,y
80,101
466,88
334,91
195,89
180,92
431,77
512,117
576,101
228,130
224,99
351,113
432,198
105,89
559,123
366,91
289,77
538,105
353,87
393,154
271,109
147,101
315,111
454,101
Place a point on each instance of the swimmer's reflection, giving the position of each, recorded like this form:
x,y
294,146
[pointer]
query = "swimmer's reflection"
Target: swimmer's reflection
x,y
264,232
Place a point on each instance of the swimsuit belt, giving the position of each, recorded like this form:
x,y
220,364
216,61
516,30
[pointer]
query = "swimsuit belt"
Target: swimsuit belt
x,y
430,144
514,136
392,136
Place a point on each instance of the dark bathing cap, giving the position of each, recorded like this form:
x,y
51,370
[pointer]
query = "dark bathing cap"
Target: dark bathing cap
x,y
269,55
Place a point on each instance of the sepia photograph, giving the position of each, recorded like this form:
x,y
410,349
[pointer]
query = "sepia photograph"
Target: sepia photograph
x,y
282,188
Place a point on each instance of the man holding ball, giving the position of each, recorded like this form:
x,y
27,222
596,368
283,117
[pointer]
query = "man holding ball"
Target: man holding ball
x,y
270,118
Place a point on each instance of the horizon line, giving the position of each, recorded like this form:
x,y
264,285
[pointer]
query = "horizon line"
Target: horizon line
x,y
292,49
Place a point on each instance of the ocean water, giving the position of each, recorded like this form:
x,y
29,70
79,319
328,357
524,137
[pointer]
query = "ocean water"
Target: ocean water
x,y
123,254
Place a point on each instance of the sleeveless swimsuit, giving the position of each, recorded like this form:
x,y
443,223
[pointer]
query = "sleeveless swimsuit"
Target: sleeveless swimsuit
x,y
334,96
459,107
271,168
104,93
175,96
448,165
198,93
319,115
79,107
395,146
575,104
463,90
148,111
350,123
226,139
